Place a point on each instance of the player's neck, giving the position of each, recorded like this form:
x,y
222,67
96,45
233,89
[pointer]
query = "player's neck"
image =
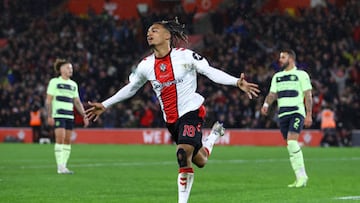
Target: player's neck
x,y
64,77
289,67
161,51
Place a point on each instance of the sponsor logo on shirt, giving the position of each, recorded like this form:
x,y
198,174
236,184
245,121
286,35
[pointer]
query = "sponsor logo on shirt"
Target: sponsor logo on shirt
x,y
159,86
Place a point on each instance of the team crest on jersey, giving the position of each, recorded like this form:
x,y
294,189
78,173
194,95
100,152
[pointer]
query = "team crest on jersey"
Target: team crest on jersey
x,y
162,67
197,56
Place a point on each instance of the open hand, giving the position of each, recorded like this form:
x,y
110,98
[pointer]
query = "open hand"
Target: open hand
x,y
251,89
94,112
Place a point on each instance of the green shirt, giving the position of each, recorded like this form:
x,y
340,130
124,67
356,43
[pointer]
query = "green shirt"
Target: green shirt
x,y
63,92
289,87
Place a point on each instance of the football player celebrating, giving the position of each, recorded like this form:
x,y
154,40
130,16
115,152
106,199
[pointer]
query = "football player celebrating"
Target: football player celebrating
x,y
172,73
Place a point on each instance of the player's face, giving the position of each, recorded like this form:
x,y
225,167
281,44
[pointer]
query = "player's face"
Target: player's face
x,y
66,70
284,60
157,35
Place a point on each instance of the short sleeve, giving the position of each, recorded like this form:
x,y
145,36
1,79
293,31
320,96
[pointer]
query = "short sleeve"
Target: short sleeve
x,y
76,92
51,87
273,84
305,81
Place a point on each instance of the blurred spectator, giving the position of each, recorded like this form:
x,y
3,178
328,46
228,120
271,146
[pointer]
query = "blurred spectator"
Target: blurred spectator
x,y
35,122
146,116
328,127
242,39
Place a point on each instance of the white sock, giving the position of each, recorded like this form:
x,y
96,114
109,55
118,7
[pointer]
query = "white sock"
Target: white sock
x,y
210,141
185,181
296,158
58,149
66,153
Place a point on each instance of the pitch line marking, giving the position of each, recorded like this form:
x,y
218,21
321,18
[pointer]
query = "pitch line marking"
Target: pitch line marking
x,y
348,198
117,163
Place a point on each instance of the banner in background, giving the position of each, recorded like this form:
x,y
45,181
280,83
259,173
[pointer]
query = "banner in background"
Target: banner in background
x,y
162,136
125,9
201,6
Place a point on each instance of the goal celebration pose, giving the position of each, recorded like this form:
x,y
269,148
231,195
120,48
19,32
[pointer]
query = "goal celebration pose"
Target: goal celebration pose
x,y
172,73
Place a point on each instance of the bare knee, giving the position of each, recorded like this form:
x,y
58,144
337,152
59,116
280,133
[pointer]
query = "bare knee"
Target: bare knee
x,y
200,159
200,164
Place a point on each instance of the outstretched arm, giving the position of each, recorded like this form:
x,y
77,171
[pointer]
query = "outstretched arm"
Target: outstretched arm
x,y
94,112
251,89
96,109
220,77
129,90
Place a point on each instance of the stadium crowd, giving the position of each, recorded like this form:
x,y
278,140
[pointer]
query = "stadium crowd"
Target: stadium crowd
x,y
105,50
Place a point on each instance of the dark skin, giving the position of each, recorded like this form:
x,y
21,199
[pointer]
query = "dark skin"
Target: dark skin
x,y
158,38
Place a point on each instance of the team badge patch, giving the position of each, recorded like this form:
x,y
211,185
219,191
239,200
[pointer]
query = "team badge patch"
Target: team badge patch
x,y
197,56
162,67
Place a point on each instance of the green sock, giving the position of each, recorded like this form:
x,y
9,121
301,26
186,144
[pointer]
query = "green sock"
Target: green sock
x,y
58,149
66,153
296,158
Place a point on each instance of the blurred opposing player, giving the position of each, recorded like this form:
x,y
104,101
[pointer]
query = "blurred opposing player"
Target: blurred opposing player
x,y
172,73
62,95
290,87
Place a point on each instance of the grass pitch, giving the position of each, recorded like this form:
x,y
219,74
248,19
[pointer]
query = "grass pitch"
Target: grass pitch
x,y
148,173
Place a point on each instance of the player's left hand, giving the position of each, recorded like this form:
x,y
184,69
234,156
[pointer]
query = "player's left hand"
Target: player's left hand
x,y
251,89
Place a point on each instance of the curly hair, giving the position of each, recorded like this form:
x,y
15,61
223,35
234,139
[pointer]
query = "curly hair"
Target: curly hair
x,y
176,29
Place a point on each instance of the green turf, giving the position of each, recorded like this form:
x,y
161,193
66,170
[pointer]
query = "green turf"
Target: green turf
x,y
139,173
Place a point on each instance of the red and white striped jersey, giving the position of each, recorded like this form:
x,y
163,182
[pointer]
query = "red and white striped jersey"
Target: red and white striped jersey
x,y
174,80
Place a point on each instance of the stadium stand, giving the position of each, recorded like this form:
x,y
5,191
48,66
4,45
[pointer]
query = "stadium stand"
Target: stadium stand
x,y
104,50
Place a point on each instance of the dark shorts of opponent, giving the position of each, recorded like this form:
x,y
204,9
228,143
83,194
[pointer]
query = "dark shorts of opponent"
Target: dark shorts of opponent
x,y
291,123
66,123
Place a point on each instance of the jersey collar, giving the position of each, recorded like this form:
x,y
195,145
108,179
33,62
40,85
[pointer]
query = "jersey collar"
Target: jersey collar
x,y
293,69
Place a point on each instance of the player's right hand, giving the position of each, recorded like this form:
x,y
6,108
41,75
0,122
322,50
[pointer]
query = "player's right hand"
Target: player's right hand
x,y
94,112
